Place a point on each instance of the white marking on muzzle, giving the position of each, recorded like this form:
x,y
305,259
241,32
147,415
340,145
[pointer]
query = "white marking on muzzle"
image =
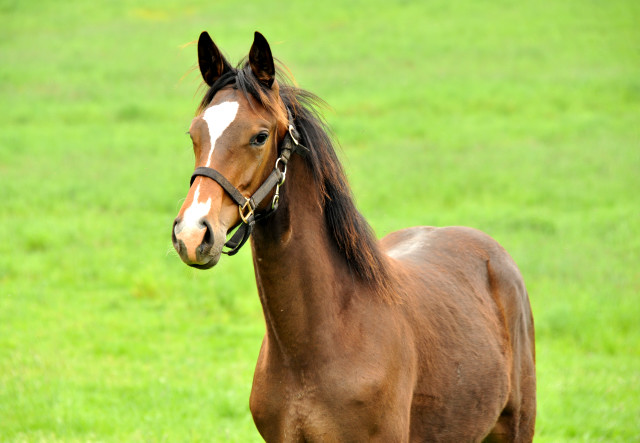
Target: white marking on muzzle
x,y
218,118
191,223
196,212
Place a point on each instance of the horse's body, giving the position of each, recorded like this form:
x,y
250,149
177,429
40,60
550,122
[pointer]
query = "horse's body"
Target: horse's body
x,y
424,336
338,363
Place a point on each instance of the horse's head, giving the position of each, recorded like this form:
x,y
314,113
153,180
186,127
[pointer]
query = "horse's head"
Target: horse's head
x,y
236,135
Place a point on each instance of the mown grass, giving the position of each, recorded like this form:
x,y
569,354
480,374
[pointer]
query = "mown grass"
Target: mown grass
x,y
518,118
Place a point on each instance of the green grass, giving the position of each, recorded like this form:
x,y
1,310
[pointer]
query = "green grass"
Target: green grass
x,y
519,118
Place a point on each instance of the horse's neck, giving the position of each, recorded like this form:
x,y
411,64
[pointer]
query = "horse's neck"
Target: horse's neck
x,y
302,279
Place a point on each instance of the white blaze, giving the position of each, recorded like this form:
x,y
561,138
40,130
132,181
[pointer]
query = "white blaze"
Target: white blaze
x,y
196,211
218,118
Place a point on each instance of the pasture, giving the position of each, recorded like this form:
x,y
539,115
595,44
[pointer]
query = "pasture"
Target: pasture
x,y
521,119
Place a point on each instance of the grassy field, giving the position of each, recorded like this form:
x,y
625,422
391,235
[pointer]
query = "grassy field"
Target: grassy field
x,y
518,118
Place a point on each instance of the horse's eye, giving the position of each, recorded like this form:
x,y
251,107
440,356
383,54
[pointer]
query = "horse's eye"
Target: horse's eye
x,y
260,139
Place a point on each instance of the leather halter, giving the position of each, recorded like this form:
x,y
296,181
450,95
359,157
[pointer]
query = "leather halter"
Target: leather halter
x,y
248,205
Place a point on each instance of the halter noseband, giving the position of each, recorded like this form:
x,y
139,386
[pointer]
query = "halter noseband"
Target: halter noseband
x,y
247,206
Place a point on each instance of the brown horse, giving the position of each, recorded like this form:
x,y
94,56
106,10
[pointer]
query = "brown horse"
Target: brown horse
x,y
426,335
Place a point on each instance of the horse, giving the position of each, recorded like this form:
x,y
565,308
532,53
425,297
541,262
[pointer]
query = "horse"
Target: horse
x,y
424,335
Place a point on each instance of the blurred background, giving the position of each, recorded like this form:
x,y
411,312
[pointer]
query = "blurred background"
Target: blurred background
x,y
521,119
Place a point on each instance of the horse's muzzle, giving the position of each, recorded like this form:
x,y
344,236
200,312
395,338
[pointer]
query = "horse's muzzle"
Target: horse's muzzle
x,y
195,244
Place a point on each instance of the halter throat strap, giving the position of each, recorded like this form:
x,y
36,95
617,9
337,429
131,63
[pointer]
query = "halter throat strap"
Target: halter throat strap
x,y
247,205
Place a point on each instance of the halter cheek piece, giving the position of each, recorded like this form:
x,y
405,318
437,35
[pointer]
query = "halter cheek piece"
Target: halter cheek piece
x,y
248,205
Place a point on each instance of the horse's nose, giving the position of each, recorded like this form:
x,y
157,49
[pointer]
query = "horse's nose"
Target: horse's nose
x,y
193,242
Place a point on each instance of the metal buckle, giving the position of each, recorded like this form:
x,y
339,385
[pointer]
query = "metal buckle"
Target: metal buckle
x,y
242,209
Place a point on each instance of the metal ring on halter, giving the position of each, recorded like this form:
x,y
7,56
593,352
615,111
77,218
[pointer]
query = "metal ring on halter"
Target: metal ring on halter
x,y
284,171
292,129
276,199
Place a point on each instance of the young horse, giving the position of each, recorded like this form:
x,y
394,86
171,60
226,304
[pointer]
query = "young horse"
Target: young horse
x,y
426,335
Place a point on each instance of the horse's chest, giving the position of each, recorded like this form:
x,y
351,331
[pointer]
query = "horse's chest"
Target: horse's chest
x,y
319,408
289,412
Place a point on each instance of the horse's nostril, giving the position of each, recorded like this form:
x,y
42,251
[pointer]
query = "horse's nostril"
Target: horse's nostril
x,y
207,238
193,240
174,239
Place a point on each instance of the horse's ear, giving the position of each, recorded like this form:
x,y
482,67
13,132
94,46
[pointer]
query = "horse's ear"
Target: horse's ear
x,y
261,60
212,63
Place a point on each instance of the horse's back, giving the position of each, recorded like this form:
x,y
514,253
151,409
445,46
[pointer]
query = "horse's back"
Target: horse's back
x,y
461,255
455,262
468,305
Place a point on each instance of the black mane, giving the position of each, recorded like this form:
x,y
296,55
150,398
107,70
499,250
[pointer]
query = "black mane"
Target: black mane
x,y
353,236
